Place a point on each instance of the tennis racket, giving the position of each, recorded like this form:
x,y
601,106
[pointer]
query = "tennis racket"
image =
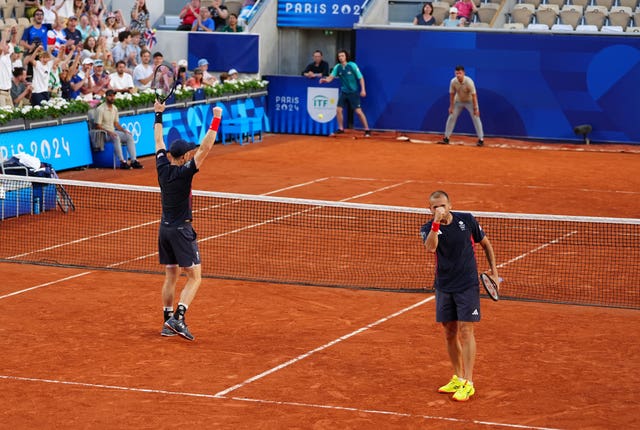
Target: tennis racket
x,y
163,83
63,199
489,286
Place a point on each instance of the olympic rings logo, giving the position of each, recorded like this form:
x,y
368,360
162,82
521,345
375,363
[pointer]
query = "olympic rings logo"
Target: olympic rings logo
x,y
135,129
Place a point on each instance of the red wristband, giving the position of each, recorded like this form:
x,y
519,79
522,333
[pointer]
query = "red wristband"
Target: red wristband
x,y
435,227
215,124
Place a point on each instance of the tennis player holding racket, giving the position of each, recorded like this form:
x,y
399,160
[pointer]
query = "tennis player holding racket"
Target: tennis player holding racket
x,y
451,236
178,248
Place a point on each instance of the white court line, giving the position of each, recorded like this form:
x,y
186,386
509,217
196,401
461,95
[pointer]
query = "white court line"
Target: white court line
x,y
539,248
375,191
15,293
269,402
304,184
325,346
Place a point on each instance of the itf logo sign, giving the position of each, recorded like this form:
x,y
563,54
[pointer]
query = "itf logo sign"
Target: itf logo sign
x,y
322,103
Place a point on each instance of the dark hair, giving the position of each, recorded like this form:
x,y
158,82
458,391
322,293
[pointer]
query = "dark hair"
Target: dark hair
x,y
121,61
427,4
123,35
346,53
182,69
158,54
459,68
18,71
318,51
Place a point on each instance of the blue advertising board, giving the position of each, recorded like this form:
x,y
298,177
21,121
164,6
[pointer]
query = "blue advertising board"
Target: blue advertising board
x,y
319,13
241,51
528,85
299,105
141,128
63,146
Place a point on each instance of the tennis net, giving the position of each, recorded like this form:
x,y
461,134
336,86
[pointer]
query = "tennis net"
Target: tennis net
x,y
560,259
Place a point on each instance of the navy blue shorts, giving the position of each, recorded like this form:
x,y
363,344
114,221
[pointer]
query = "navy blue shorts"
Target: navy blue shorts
x,y
347,100
461,306
177,245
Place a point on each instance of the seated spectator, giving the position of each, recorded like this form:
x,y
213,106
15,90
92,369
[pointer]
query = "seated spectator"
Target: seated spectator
x,y
120,80
204,22
195,81
20,88
207,78
452,20
56,37
104,53
72,34
233,75
143,73
426,16
318,67
100,79
125,51
224,76
109,31
108,119
219,14
89,48
36,34
188,15
466,9
232,26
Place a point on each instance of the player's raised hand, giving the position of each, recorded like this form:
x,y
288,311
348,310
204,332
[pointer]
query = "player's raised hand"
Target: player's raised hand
x,y
438,214
217,112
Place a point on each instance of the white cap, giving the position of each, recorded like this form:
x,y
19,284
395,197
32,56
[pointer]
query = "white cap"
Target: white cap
x,y
87,61
453,10
232,71
183,63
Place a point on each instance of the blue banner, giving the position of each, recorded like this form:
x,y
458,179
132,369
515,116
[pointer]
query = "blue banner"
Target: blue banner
x,y
299,105
321,14
192,123
63,146
225,51
529,85
141,128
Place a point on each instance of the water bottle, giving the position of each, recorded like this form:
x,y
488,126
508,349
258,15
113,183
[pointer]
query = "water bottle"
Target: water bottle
x,y
36,206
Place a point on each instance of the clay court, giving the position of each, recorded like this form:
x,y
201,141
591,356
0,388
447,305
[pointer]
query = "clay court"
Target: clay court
x,y
83,350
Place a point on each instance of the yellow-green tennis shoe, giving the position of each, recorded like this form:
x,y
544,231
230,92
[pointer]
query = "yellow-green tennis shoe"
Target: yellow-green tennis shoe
x,y
453,385
464,393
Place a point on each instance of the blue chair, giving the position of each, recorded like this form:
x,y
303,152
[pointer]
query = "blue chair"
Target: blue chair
x,y
258,112
234,128
239,110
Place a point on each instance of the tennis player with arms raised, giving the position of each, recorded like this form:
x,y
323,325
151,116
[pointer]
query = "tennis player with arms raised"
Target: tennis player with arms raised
x,y
178,248
451,236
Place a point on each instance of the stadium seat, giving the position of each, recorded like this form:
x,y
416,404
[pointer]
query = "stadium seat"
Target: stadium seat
x,y
440,11
628,3
605,3
620,15
535,3
559,3
487,11
101,145
562,27
232,128
513,26
596,15
571,15
636,18
259,112
538,27
633,29
611,29
522,13
586,28
233,6
239,110
547,14
583,3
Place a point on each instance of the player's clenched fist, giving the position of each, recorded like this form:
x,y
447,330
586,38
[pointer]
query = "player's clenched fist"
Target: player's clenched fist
x,y
217,112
